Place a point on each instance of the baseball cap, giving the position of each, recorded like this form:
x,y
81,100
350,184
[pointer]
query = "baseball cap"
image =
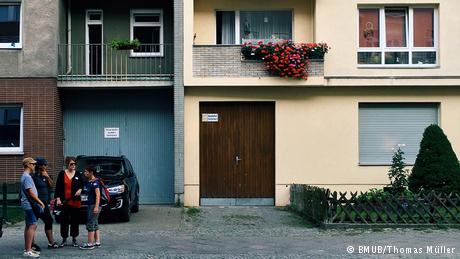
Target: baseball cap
x,y
28,160
41,161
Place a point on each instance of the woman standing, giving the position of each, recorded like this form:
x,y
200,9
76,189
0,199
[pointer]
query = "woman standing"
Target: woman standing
x,y
44,183
69,184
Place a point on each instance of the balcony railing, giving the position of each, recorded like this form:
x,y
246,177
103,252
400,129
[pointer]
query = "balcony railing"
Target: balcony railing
x,y
100,62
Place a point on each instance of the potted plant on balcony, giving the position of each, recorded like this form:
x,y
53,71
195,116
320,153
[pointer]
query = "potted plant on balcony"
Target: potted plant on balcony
x,y
125,44
285,59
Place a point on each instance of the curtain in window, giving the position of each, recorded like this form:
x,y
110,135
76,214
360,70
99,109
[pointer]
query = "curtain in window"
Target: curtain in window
x,y
265,25
369,28
9,23
228,27
423,27
395,22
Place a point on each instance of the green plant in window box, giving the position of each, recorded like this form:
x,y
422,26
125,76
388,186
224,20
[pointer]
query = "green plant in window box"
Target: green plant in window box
x,y
125,44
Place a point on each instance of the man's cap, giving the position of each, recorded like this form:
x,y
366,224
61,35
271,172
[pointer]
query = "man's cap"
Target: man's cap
x,y
41,161
28,160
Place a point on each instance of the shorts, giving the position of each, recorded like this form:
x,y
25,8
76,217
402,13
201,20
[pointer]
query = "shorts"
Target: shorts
x,y
30,217
91,220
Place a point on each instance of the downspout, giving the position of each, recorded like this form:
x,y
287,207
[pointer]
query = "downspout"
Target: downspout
x,y
69,39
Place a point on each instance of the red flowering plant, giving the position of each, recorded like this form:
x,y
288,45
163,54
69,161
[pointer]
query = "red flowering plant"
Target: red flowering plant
x,y
285,59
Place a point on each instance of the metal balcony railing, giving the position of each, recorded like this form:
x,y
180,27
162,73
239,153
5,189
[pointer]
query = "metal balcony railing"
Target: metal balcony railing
x,y
100,62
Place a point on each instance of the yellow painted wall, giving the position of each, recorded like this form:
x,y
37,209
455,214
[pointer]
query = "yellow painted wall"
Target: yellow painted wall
x,y
335,22
316,132
205,20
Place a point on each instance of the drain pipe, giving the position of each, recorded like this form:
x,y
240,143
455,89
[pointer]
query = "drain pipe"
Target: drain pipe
x,y
69,39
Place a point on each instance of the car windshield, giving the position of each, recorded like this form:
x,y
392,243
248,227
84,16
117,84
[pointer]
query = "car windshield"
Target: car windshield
x,y
103,167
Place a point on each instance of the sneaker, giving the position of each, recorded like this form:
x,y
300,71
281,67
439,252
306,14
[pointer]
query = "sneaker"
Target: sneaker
x,y
63,243
35,252
30,253
74,243
36,248
86,246
53,246
97,244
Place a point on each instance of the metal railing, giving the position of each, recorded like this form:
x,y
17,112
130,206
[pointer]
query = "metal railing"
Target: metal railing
x,y
100,62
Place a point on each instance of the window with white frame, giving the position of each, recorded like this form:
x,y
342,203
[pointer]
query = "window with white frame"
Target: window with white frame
x,y
10,25
384,126
398,36
147,27
236,27
10,129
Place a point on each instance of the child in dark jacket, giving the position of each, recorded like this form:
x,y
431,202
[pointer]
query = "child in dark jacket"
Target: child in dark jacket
x,y
92,188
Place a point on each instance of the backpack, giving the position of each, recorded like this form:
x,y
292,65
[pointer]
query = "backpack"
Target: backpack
x,y
105,195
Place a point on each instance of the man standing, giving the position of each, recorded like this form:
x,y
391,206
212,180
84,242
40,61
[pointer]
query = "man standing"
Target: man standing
x,y
29,195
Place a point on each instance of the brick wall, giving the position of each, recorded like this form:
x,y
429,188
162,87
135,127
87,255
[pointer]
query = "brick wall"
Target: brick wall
x,y
42,129
225,61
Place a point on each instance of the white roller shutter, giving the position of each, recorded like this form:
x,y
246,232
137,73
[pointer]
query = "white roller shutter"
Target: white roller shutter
x,y
382,126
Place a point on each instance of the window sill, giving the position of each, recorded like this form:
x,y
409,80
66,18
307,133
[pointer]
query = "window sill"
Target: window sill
x,y
9,153
398,67
7,46
146,55
381,164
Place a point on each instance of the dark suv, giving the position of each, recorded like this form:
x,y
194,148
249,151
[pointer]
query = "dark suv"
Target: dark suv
x,y
121,181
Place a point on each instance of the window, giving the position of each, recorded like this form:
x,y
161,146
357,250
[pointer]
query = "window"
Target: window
x,y
147,27
397,36
10,129
10,26
236,27
382,126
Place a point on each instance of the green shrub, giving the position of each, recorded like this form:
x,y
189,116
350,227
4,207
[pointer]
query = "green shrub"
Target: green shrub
x,y
397,173
125,44
436,167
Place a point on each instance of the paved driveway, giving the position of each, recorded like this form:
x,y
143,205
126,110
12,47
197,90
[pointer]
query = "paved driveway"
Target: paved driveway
x,y
240,232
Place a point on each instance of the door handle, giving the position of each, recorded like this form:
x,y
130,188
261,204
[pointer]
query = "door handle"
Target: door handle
x,y
237,159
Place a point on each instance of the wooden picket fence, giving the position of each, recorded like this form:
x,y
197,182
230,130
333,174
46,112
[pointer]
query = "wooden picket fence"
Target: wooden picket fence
x,y
337,209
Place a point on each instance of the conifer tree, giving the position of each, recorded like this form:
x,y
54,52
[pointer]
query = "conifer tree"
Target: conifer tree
x,y
397,172
436,167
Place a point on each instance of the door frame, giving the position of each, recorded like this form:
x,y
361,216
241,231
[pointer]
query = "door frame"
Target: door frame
x,y
93,22
234,201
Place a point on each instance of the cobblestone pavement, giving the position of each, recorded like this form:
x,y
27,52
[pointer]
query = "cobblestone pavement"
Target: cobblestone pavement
x,y
239,232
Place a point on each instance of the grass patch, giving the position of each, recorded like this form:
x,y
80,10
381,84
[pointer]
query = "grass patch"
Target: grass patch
x,y
192,211
14,215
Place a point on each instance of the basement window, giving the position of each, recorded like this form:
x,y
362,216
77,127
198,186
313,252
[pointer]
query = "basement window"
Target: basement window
x,y
11,129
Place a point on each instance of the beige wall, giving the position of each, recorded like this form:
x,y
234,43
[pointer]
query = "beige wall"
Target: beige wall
x,y
335,22
205,20
316,132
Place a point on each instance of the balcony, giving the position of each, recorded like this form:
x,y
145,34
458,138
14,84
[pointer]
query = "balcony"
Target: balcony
x,y
100,64
226,61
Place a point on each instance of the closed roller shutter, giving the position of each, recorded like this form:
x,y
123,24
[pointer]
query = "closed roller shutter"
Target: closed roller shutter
x,y
382,126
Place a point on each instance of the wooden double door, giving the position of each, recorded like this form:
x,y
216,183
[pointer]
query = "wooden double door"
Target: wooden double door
x,y
237,152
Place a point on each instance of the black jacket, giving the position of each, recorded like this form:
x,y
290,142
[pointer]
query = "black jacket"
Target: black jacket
x,y
77,183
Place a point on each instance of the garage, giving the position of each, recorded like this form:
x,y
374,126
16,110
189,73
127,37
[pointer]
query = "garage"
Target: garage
x,y
135,123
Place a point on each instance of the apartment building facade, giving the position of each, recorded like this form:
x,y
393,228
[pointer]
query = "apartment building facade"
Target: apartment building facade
x,y
67,90
30,110
391,72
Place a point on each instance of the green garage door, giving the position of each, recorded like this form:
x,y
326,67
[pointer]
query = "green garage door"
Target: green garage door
x,y
134,123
